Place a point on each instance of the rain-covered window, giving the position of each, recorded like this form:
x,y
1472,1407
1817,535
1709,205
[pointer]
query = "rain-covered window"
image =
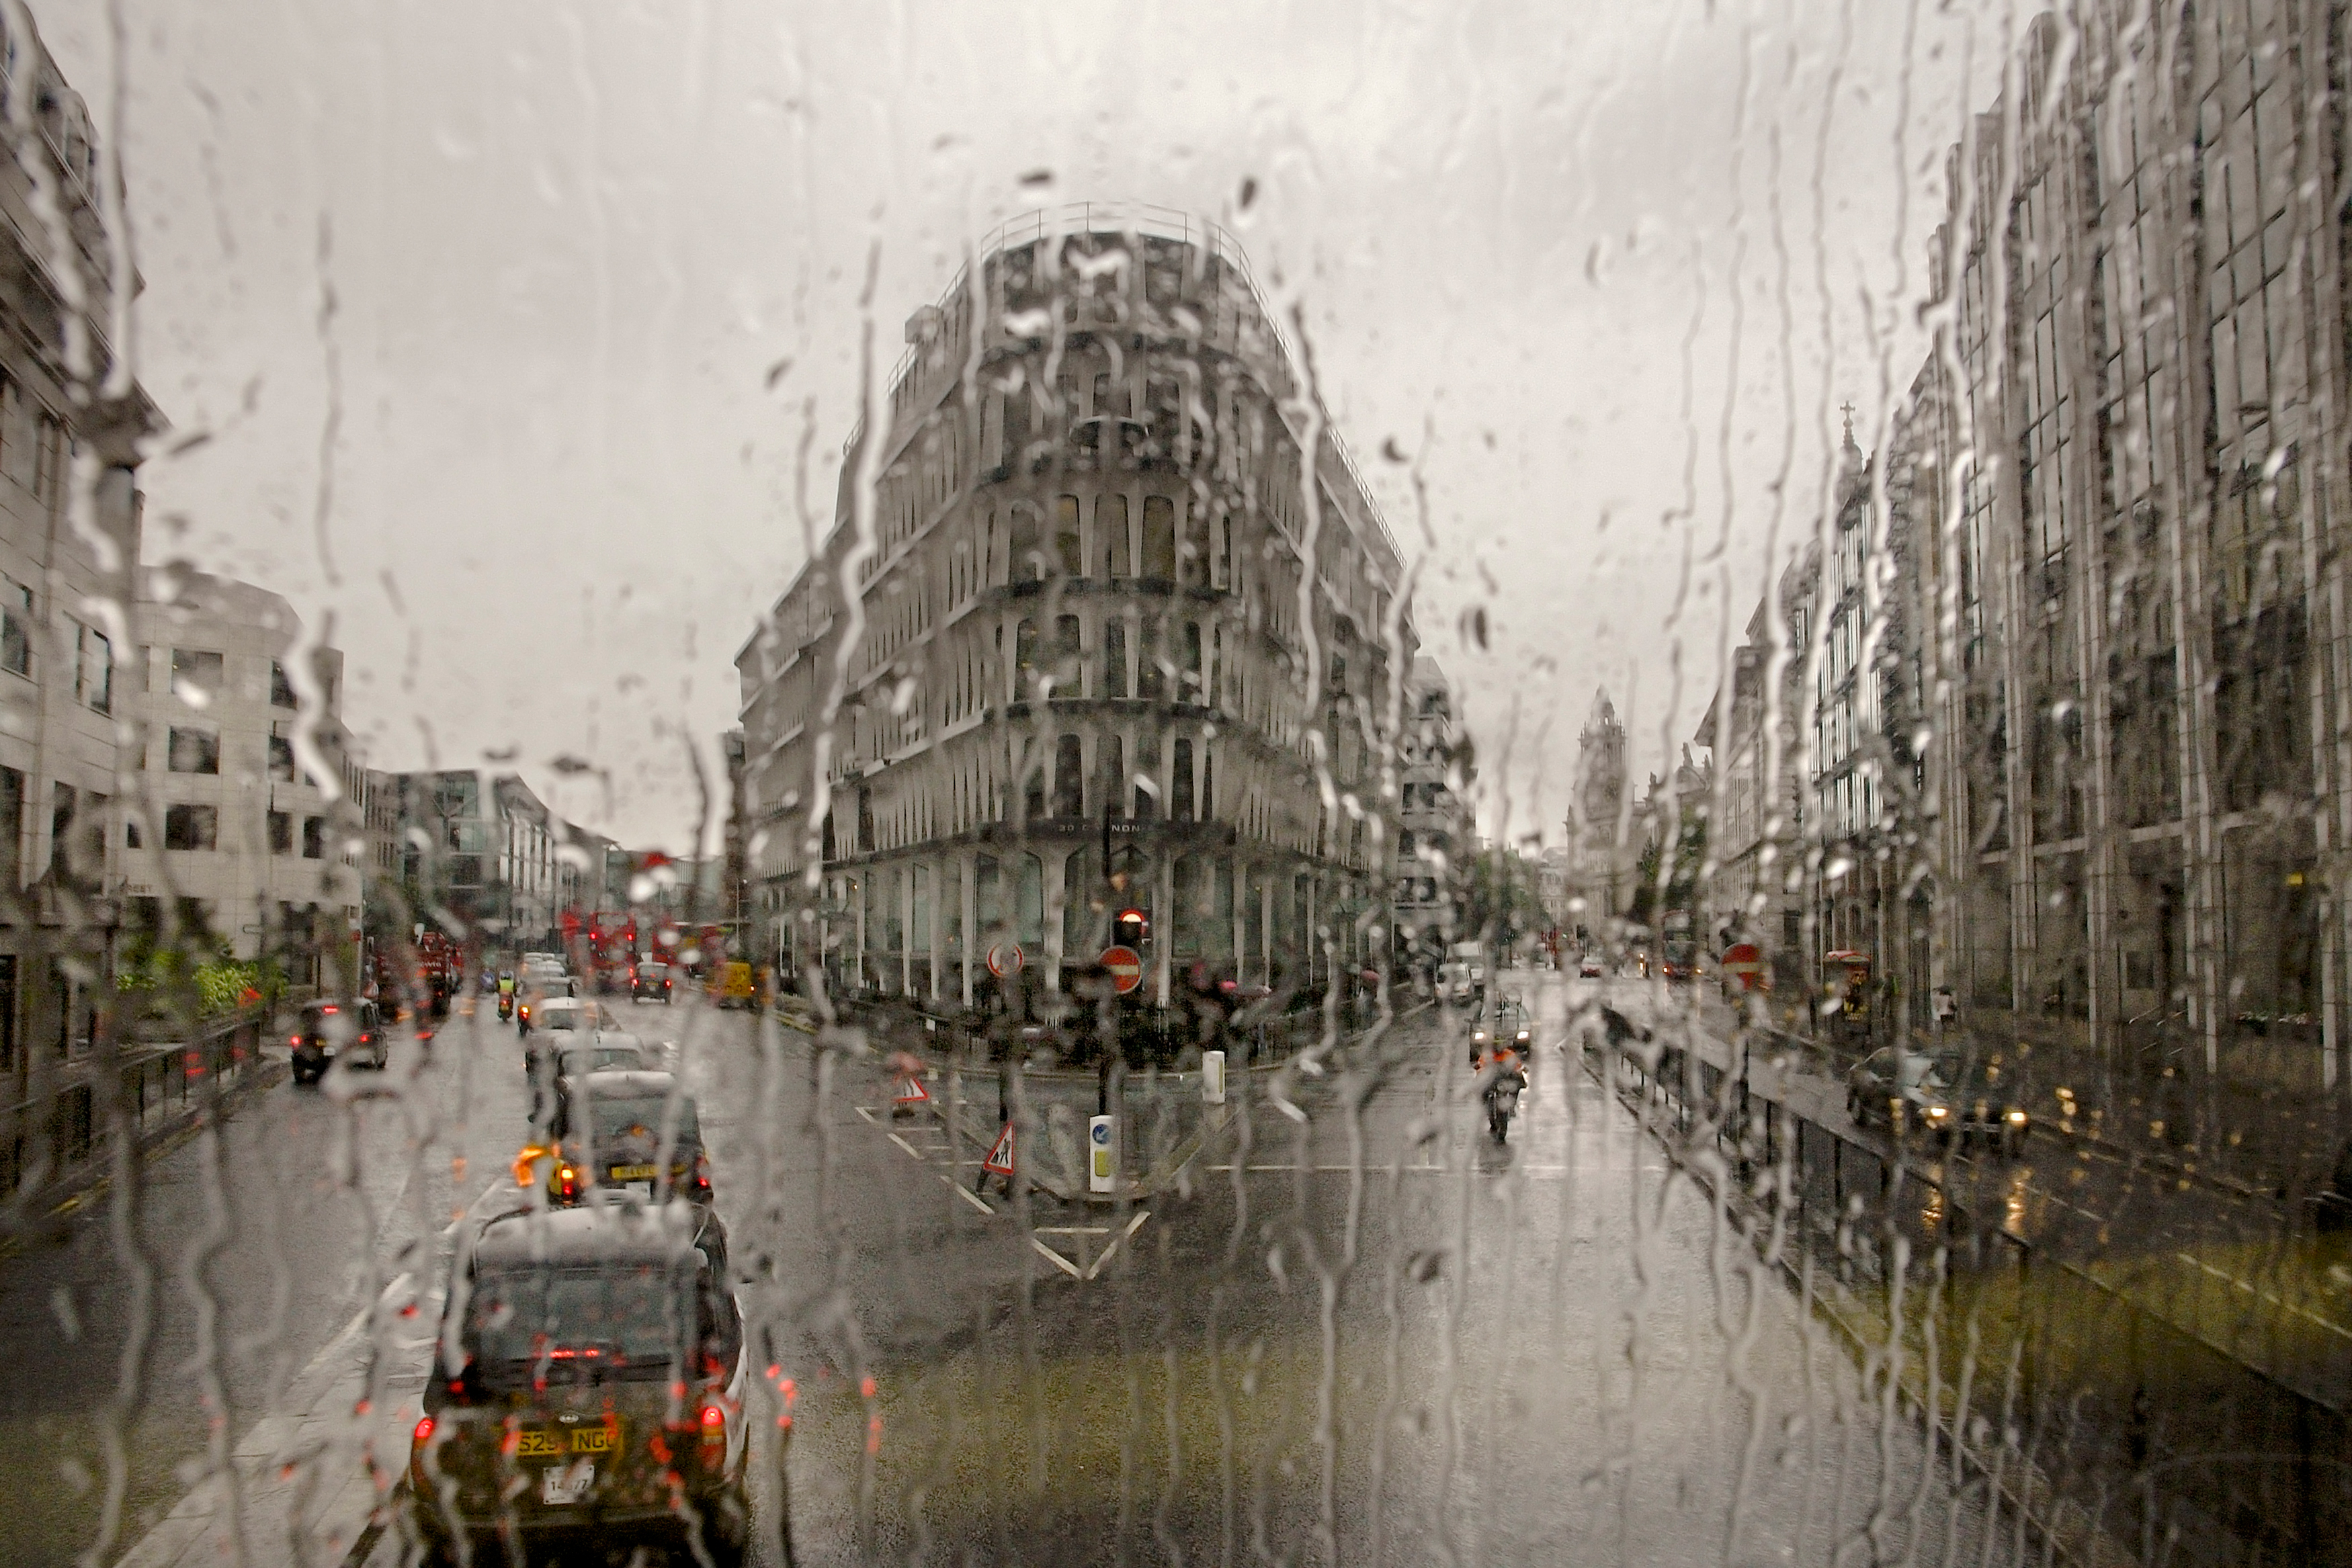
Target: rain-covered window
x,y
1294,784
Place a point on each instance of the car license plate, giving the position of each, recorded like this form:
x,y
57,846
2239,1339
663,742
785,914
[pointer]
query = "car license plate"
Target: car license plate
x,y
561,1484
551,1442
633,1172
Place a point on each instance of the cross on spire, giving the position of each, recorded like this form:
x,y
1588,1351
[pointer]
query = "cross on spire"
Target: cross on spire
x,y
1847,408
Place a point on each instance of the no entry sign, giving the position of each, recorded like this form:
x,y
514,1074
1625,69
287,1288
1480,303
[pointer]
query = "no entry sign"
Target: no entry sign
x,y
1003,959
1743,961
1126,967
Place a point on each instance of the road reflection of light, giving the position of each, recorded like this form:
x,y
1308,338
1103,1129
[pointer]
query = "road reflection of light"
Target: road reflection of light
x,y
2013,1205
1931,1211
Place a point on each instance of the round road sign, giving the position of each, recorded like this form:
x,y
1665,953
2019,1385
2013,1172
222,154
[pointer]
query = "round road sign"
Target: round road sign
x,y
1003,959
1126,967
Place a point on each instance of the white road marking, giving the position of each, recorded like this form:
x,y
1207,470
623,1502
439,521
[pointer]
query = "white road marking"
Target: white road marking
x,y
913,1152
1064,1264
864,1112
972,1198
1133,1227
2333,1328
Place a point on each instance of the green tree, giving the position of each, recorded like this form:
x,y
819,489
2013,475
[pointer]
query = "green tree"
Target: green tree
x,y
1500,898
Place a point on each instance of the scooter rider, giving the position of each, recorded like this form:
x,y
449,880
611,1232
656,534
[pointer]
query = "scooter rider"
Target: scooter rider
x,y
505,995
1502,1077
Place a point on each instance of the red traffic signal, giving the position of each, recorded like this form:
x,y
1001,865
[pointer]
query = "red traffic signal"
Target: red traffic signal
x,y
1131,928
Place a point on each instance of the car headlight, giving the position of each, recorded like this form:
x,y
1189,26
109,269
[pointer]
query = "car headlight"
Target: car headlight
x,y
1479,1037
2017,1118
1525,1036
1938,1113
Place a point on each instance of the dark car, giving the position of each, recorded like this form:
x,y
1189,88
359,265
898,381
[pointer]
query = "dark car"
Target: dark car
x,y
2331,1206
595,1053
1886,1087
606,1134
1505,1024
1975,1100
588,1393
1951,1095
651,983
326,1032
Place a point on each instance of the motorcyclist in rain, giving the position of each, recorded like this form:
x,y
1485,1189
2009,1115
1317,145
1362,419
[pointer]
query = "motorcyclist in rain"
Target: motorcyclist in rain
x,y
1499,1057
505,995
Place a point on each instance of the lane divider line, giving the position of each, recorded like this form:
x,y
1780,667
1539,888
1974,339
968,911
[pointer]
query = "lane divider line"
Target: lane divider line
x,y
1064,1264
912,1152
972,1198
2285,1306
1133,1227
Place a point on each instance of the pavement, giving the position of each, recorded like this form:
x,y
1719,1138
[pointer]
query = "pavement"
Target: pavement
x,y
1357,1330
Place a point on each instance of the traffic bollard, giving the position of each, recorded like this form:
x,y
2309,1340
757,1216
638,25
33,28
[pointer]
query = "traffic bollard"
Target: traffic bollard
x,y
1213,1077
1102,1155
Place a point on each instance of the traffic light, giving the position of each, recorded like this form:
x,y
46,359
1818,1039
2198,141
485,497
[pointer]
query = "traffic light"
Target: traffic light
x,y
1132,928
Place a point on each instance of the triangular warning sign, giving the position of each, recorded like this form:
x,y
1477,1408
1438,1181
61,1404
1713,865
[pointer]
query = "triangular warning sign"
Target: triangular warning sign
x,y
911,1094
1000,1158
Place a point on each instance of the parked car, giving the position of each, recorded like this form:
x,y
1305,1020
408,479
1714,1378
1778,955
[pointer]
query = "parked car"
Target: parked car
x,y
1589,967
326,1032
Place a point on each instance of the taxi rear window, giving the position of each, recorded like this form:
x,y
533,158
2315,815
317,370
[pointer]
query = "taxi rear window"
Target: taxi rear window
x,y
606,1319
619,1118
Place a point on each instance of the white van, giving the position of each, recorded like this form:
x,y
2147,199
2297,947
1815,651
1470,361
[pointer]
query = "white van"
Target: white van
x,y
1462,978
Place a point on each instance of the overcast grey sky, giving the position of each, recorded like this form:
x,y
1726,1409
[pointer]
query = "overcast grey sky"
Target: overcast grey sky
x,y
1604,271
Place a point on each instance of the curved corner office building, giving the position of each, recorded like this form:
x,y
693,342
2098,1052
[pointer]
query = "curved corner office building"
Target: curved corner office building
x,y
1078,622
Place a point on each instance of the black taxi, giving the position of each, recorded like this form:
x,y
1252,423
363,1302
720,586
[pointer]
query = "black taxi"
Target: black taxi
x,y
586,1393
607,1134
345,1029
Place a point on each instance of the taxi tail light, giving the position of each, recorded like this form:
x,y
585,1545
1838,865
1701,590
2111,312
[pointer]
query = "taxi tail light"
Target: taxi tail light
x,y
702,1190
424,1431
714,1433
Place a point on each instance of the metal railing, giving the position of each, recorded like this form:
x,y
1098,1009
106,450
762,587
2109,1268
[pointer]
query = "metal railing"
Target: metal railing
x,y
56,1136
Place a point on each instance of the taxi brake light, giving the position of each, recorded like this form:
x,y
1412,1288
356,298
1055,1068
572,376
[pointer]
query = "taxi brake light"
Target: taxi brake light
x,y
713,1416
424,1431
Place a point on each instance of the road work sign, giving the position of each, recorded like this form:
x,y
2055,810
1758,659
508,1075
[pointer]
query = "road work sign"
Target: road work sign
x,y
1000,1158
911,1094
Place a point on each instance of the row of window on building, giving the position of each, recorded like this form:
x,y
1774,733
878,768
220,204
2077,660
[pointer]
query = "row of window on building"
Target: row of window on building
x,y
887,929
